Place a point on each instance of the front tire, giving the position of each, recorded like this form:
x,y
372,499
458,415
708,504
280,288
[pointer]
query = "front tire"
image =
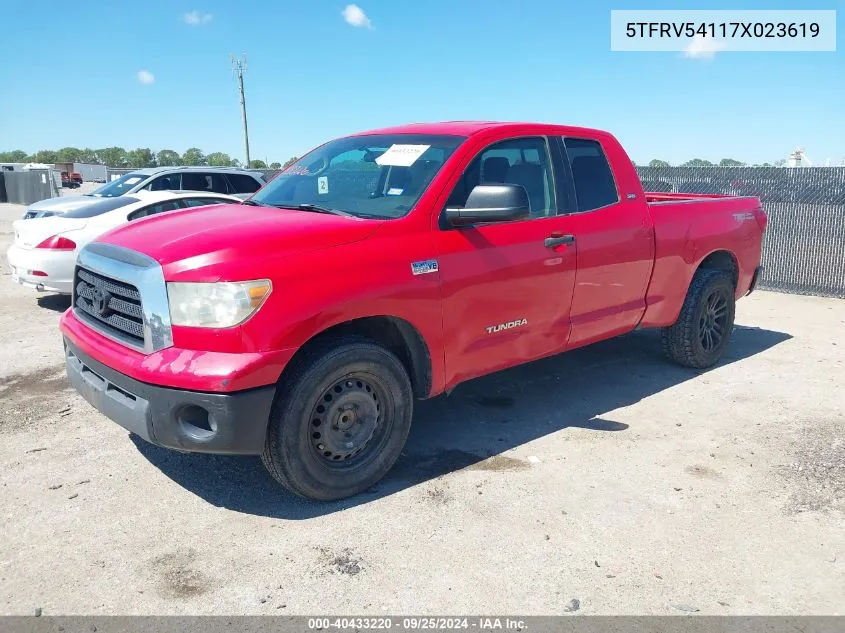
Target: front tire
x,y
703,329
340,419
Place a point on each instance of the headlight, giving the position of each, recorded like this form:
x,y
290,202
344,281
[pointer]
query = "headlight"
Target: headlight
x,y
215,305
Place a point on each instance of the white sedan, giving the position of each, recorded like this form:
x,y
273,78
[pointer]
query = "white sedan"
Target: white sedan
x,y
43,255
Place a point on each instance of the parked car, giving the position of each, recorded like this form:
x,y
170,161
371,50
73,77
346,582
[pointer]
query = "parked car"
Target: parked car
x,y
44,251
231,181
388,266
72,180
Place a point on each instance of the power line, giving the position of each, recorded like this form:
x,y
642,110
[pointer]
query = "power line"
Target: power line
x,y
239,68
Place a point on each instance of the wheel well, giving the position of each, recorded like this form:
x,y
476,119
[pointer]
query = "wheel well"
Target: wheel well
x,y
722,260
395,334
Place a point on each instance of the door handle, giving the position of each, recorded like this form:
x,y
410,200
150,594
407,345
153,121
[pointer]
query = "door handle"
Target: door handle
x,y
558,240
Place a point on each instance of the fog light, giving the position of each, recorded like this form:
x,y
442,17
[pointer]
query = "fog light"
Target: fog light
x,y
195,422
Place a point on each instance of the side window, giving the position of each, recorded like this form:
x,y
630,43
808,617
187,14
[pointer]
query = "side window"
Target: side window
x,y
170,182
522,161
201,202
193,181
591,174
241,183
161,207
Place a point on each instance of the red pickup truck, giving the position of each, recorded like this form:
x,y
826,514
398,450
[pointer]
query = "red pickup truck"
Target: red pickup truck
x,y
388,266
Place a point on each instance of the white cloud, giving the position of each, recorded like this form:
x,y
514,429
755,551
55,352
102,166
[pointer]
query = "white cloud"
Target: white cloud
x,y
354,15
145,77
703,47
195,18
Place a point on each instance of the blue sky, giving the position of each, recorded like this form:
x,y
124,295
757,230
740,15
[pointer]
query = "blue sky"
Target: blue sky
x,y
72,80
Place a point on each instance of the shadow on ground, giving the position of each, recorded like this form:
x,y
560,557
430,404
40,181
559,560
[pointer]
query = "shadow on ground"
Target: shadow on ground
x,y
57,303
480,419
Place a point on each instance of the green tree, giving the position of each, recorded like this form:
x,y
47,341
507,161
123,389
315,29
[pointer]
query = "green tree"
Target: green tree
x,y
87,155
140,157
656,162
219,159
256,163
290,161
68,155
730,162
236,162
697,162
45,156
193,157
112,156
15,156
168,158
275,165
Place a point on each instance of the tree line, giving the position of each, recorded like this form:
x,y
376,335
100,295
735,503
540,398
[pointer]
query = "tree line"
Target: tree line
x,y
135,158
725,162
194,156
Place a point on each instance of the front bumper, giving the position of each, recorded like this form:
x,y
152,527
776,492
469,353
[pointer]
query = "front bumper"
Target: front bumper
x,y
229,423
57,264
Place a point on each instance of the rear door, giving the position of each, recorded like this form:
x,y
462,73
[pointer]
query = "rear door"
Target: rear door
x,y
614,243
505,292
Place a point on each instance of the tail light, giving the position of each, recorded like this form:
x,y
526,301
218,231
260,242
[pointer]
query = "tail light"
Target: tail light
x,y
58,243
762,218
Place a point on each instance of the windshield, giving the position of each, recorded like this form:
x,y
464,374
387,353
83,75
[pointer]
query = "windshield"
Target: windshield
x,y
374,176
118,187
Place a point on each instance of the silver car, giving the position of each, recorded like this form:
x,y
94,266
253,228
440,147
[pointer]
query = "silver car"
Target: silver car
x,y
228,180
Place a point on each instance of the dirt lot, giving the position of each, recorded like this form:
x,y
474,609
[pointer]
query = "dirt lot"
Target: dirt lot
x,y
605,476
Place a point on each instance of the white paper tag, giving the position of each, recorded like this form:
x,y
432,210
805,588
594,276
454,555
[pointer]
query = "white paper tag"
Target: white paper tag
x,y
402,155
132,181
394,191
323,184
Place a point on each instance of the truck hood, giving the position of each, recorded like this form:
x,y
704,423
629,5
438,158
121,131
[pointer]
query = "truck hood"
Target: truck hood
x,y
234,235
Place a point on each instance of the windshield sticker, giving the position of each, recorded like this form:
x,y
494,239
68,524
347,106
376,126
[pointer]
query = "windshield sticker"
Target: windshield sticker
x,y
402,155
132,181
296,170
323,184
393,191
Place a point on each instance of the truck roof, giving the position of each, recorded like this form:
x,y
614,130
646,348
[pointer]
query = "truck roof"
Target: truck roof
x,y
468,128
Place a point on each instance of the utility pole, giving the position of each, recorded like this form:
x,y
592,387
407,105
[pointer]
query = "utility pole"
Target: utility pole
x,y
239,68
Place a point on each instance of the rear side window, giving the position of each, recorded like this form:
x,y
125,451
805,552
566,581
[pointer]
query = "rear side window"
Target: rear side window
x,y
591,174
201,202
192,181
160,207
241,183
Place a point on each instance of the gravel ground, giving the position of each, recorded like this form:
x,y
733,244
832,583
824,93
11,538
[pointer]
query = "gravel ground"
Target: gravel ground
x,y
604,481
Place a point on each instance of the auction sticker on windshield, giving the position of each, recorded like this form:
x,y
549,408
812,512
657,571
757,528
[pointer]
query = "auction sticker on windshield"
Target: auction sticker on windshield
x,y
323,184
402,155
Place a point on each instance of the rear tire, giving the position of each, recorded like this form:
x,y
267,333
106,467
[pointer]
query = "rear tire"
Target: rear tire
x,y
703,329
340,419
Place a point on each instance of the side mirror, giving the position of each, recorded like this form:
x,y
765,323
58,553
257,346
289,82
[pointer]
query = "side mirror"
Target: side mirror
x,y
491,203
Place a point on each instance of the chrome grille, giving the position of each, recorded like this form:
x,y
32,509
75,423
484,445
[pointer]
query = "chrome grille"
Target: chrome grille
x,y
109,304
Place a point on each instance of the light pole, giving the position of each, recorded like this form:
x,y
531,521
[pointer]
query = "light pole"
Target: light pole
x,y
239,68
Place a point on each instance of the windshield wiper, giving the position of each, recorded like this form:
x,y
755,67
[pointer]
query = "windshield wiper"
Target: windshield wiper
x,y
253,203
316,208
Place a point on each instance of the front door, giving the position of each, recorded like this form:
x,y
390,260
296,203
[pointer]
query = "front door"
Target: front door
x,y
506,291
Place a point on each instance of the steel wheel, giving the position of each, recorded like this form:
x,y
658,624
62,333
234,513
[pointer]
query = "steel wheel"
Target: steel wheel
x,y
713,320
347,420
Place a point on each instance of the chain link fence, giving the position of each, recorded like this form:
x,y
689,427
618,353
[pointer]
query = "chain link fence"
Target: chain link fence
x,y
803,250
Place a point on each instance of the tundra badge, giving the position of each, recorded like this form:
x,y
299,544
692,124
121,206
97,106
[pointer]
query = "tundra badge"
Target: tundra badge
x,y
424,267
506,326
